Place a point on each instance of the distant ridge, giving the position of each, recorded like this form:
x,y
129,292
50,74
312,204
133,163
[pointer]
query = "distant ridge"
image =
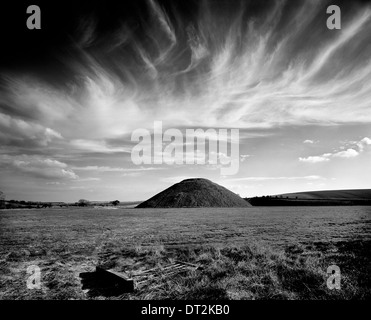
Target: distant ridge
x,y
193,193
349,197
358,194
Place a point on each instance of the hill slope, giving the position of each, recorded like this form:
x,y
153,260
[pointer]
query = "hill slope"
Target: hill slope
x,y
195,193
316,198
332,194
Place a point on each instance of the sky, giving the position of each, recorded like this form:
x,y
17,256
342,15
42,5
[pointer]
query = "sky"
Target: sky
x,y
73,92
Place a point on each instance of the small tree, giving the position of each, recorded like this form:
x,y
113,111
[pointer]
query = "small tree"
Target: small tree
x,y
2,200
83,203
115,203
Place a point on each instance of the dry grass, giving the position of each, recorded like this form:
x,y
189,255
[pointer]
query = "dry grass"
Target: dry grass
x,y
257,272
247,269
252,271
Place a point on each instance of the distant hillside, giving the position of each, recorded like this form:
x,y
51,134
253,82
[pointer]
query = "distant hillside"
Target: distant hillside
x,y
21,204
316,198
195,193
332,194
129,204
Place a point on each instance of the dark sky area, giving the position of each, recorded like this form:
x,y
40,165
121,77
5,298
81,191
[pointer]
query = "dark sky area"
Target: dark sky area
x,y
62,22
72,93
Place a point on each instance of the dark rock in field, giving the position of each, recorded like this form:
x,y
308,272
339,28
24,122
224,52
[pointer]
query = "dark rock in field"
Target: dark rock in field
x,y
192,193
36,252
105,283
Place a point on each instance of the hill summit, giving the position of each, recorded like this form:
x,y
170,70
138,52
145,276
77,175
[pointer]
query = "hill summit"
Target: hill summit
x,y
195,192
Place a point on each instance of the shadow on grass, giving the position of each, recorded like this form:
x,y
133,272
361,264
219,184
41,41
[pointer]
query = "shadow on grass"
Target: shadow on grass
x,y
100,285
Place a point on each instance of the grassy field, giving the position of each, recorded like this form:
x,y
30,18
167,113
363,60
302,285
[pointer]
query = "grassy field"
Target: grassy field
x,y
237,264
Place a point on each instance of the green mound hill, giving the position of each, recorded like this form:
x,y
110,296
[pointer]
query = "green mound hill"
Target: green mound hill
x,y
192,193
